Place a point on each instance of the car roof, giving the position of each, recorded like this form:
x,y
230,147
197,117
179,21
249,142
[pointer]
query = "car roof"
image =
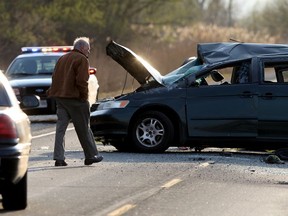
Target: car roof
x,y
210,53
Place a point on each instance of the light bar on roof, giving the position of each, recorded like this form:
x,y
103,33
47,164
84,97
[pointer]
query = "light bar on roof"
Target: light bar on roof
x,y
46,49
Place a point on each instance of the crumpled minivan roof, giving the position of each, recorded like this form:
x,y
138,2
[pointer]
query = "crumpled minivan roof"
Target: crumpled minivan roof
x,y
210,53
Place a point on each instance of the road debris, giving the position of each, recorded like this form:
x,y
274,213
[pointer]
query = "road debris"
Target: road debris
x,y
273,159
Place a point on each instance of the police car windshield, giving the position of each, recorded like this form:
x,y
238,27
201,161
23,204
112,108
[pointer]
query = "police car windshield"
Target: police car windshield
x,y
35,65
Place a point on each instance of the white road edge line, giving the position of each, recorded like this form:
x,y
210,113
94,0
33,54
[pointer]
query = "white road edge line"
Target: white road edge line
x,y
48,134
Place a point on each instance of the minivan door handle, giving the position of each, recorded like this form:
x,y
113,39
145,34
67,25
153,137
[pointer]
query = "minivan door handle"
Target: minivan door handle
x,y
247,94
267,95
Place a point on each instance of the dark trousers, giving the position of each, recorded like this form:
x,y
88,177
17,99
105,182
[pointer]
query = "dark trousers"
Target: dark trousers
x,y
79,112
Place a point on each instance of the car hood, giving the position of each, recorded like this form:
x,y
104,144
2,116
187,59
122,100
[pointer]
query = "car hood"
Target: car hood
x,y
28,81
137,67
210,53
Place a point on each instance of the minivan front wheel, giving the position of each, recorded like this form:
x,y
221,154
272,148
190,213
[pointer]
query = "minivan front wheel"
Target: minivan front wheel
x,y
152,131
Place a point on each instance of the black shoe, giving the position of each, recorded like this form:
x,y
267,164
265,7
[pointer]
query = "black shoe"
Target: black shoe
x,y
60,163
95,159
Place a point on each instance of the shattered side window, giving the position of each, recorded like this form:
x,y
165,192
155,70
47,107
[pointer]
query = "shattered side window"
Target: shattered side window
x,y
219,76
242,73
233,73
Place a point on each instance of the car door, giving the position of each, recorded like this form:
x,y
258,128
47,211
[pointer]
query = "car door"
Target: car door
x,y
273,99
225,110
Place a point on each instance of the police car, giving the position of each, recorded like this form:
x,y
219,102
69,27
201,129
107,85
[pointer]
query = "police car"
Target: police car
x,y
30,73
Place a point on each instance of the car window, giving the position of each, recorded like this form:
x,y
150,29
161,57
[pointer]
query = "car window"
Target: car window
x,y
269,74
224,74
235,73
4,99
33,65
275,72
284,73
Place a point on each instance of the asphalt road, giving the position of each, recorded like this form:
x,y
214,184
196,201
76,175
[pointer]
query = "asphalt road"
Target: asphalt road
x,y
217,182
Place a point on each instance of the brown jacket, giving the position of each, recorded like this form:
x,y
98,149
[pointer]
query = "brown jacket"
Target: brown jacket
x,y
70,77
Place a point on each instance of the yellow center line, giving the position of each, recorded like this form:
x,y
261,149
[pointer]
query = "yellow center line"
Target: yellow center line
x,y
171,183
125,208
122,210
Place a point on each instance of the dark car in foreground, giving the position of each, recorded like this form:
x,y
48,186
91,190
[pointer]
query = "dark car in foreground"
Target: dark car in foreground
x,y
15,144
30,73
229,95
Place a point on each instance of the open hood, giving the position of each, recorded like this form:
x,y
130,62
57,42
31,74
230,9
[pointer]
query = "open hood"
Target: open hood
x,y
210,53
137,67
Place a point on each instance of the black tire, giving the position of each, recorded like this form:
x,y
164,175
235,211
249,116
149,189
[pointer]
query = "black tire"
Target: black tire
x,y
152,132
14,196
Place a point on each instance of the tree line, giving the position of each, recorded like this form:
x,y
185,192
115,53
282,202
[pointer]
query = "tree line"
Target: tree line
x,y
54,22
158,25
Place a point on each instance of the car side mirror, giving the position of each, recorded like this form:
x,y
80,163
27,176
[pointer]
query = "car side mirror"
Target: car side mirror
x,y
216,76
30,101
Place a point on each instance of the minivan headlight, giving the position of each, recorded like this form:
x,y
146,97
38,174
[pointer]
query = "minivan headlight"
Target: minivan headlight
x,y
113,104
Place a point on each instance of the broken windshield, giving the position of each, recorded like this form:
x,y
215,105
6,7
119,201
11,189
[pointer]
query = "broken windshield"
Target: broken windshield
x,y
185,70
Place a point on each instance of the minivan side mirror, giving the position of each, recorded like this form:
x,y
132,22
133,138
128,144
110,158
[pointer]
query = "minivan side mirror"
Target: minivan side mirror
x,y
216,76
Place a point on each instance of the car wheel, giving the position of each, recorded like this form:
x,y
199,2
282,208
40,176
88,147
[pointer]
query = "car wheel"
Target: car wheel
x,y
14,196
152,132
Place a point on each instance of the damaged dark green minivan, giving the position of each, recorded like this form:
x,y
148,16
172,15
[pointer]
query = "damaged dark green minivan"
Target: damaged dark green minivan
x,y
229,95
